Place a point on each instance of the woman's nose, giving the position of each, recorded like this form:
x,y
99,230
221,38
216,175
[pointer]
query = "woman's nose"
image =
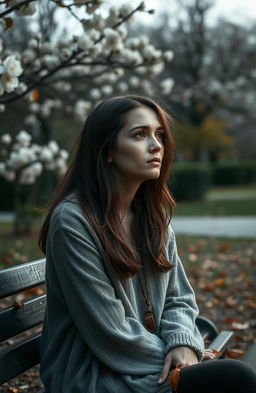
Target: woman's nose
x,y
154,145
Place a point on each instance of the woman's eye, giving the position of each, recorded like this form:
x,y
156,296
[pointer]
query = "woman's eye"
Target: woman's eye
x,y
161,135
139,134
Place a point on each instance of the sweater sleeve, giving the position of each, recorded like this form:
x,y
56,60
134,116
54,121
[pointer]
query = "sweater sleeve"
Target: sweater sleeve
x,y
120,342
177,326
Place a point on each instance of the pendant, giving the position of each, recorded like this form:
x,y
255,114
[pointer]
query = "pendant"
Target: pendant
x,y
150,323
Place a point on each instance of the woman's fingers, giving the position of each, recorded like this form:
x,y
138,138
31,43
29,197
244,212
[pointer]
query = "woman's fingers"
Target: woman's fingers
x,y
165,370
209,354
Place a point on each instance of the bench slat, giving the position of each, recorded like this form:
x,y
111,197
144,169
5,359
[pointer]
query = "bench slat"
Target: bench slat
x,y
14,321
250,356
221,341
21,277
19,357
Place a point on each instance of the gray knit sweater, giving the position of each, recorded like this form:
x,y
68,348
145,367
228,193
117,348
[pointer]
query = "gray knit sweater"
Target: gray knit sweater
x,y
93,337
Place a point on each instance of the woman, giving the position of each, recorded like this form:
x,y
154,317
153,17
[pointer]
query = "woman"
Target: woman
x,y
120,311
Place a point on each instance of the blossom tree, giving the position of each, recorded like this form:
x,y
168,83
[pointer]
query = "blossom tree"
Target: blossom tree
x,y
23,163
91,50
101,54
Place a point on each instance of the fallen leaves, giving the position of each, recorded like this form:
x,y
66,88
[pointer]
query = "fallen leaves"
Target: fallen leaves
x,y
222,274
234,353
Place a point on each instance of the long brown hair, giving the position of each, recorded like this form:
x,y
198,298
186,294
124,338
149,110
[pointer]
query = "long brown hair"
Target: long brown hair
x,y
91,177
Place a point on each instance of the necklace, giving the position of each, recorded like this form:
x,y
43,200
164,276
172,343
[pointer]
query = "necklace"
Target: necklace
x,y
149,320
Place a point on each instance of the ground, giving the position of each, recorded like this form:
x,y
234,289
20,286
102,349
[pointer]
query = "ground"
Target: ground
x,y
222,273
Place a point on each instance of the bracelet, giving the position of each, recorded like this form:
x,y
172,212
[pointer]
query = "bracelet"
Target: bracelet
x,y
174,378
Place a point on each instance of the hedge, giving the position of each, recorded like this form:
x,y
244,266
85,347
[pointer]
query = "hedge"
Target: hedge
x,y
234,173
190,180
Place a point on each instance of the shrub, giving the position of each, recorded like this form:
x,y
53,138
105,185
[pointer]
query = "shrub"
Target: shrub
x,y
234,173
190,180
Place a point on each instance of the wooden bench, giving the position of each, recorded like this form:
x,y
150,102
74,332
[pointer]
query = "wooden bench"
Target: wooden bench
x,y
19,317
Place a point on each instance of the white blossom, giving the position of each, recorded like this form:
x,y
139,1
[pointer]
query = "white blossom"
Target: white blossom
x,y
34,107
1,45
46,154
144,40
94,34
122,31
63,154
133,43
119,72
107,90
166,85
47,48
85,42
156,69
50,61
35,148
168,55
113,39
132,56
64,43
146,86
6,139
23,138
81,109
28,175
96,49
63,86
12,66
26,10
21,88
60,166
53,146
95,94
37,168
30,120
33,43
150,53
9,83
98,22
65,54
2,108
134,81
125,9
28,55
113,11
122,87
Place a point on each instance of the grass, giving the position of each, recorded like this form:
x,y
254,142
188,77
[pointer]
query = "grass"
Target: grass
x,y
246,207
18,249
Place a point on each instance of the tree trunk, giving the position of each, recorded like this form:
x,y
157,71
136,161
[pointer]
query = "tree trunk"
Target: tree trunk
x,y
17,229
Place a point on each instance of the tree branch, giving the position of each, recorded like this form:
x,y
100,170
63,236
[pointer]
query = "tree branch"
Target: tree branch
x,y
15,7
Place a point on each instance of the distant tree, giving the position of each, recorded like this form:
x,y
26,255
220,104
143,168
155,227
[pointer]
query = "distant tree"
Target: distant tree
x,y
214,73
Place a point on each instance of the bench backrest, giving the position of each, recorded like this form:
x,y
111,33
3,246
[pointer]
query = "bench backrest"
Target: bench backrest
x,y
20,317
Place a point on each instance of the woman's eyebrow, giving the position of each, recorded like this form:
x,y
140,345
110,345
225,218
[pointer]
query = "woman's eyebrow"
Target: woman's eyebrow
x,y
145,127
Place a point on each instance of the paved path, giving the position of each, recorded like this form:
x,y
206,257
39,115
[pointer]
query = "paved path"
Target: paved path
x,y
226,226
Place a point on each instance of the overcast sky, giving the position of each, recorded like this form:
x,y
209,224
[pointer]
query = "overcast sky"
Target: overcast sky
x,y
238,11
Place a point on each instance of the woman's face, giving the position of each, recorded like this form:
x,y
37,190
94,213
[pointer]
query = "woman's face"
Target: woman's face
x,y
139,141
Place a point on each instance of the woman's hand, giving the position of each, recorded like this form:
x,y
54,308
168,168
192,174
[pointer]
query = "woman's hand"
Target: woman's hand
x,y
179,356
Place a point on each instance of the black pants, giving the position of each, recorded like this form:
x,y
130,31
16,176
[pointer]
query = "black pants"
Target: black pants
x,y
218,376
